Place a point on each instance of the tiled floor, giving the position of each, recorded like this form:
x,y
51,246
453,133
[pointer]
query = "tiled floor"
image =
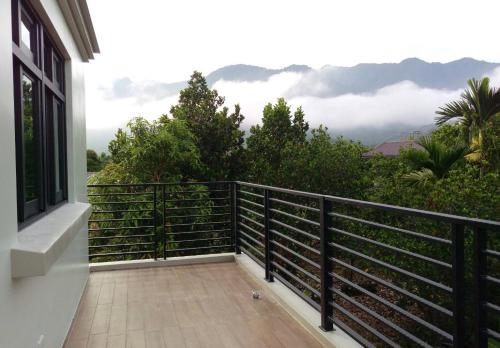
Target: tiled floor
x,y
185,306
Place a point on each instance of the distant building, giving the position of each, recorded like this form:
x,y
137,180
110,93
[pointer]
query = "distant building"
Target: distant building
x,y
392,148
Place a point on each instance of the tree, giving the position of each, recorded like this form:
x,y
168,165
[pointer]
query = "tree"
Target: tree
x,y
267,143
477,109
158,151
433,162
217,132
96,162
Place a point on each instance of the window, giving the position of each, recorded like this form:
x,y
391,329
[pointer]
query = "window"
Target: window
x,y
39,115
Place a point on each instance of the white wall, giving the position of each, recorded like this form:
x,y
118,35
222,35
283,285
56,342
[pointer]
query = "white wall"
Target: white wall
x,y
44,305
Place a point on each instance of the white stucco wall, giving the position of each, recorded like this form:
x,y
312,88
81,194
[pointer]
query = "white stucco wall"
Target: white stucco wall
x,y
44,305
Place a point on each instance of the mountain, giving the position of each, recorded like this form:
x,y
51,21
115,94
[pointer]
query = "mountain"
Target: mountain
x,y
251,73
367,78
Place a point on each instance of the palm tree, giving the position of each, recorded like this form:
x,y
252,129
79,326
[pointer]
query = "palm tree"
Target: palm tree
x,y
479,104
433,162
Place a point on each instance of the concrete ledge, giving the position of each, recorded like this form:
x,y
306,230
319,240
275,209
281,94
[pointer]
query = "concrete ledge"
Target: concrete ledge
x,y
40,244
300,310
172,261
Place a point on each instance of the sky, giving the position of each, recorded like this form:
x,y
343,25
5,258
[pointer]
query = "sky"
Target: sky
x,y
155,40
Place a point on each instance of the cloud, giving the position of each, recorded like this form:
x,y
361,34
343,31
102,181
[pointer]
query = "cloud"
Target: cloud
x,y
495,78
386,113
401,103
142,91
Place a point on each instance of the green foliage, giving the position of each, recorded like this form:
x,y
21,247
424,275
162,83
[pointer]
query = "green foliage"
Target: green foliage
x,y
217,132
477,110
158,151
433,162
96,162
280,135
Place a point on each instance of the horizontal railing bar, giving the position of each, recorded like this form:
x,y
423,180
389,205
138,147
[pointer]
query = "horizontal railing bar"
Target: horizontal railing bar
x,y
495,225
294,253
123,253
205,247
396,288
198,199
394,229
394,268
493,334
197,215
200,231
295,205
124,202
252,247
196,240
297,267
120,211
364,325
123,236
123,185
252,203
199,207
281,190
311,249
294,229
251,220
381,318
251,194
295,278
251,238
119,194
252,256
394,307
251,229
492,307
493,253
116,220
314,223
119,228
493,279
194,191
120,245
251,211
299,293
180,183
392,248
351,332
199,223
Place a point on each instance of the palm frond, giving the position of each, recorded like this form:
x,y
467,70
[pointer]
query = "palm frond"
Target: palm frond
x,y
420,178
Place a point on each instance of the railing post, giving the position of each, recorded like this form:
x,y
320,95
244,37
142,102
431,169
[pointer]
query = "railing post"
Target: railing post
x,y
155,234
325,207
457,239
164,220
480,322
267,236
234,217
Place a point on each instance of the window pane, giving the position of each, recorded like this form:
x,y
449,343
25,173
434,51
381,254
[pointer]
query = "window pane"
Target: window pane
x,y
29,145
58,72
57,147
25,34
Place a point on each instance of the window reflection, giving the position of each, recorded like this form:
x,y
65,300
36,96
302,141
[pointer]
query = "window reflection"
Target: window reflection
x,y
29,141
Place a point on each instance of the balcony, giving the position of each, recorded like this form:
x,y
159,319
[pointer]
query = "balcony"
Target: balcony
x,y
368,274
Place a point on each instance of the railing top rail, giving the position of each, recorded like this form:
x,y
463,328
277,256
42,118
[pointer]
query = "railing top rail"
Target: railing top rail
x,y
163,183
492,225
449,218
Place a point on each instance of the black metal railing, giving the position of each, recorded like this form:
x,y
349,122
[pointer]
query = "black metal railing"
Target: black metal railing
x,y
143,221
387,275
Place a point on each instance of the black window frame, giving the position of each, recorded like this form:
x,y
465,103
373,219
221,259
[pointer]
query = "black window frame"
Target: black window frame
x,y
43,64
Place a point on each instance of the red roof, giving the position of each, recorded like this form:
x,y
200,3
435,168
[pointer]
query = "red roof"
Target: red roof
x,y
392,148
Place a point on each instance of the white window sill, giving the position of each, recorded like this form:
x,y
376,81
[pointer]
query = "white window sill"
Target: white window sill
x,y
40,244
